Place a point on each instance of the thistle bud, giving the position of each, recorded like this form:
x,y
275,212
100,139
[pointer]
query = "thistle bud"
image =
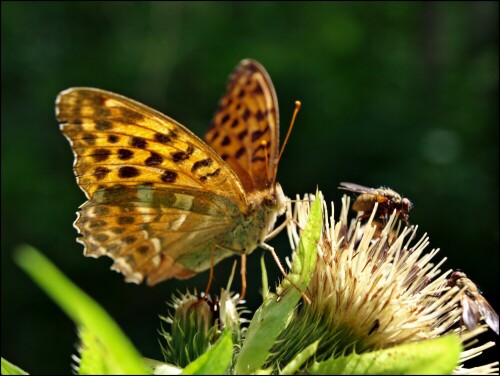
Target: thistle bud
x,y
196,324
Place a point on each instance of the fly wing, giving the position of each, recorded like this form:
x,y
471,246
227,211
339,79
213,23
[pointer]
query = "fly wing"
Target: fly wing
x,y
357,188
489,314
470,311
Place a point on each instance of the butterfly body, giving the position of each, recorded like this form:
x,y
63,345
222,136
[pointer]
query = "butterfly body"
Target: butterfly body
x,y
160,200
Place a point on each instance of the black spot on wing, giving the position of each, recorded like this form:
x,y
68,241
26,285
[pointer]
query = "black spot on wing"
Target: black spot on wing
x,y
127,172
202,163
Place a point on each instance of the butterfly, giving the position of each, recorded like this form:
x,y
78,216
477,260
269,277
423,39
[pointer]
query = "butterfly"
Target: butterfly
x,y
161,202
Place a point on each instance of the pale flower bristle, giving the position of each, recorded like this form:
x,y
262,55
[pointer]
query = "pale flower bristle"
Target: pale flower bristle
x,y
378,288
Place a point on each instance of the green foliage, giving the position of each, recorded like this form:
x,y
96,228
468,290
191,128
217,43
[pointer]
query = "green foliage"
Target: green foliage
x,y
103,340
303,331
294,365
215,361
93,355
432,357
10,369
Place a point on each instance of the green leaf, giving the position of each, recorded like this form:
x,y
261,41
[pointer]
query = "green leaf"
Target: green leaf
x,y
93,355
292,367
436,356
273,315
216,360
121,356
10,369
265,283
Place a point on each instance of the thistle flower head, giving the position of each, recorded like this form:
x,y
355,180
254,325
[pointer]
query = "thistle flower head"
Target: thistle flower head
x,y
375,286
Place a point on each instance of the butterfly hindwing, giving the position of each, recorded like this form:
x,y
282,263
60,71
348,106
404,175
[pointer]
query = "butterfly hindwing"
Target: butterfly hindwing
x,y
135,226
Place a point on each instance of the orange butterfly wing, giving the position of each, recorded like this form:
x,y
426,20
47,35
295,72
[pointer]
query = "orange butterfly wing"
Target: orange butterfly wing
x,y
246,126
117,140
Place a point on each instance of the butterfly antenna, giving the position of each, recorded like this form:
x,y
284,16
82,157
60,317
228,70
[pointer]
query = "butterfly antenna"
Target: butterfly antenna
x,y
243,272
264,143
295,112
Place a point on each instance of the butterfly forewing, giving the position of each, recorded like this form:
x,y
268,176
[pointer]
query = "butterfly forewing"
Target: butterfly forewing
x,y
245,126
119,141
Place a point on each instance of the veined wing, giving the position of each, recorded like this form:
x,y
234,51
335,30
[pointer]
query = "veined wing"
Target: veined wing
x,y
156,233
358,188
120,142
245,128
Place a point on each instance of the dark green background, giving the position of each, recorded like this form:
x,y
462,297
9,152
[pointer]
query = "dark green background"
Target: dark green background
x,y
397,94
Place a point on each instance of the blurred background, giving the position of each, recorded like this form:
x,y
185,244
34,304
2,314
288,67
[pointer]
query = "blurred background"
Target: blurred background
x,y
397,94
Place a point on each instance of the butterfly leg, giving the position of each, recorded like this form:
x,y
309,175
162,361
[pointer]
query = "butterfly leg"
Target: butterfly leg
x,y
243,269
285,223
211,276
278,229
243,272
277,260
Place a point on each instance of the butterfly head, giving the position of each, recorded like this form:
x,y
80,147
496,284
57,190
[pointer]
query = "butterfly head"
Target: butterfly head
x,y
274,204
